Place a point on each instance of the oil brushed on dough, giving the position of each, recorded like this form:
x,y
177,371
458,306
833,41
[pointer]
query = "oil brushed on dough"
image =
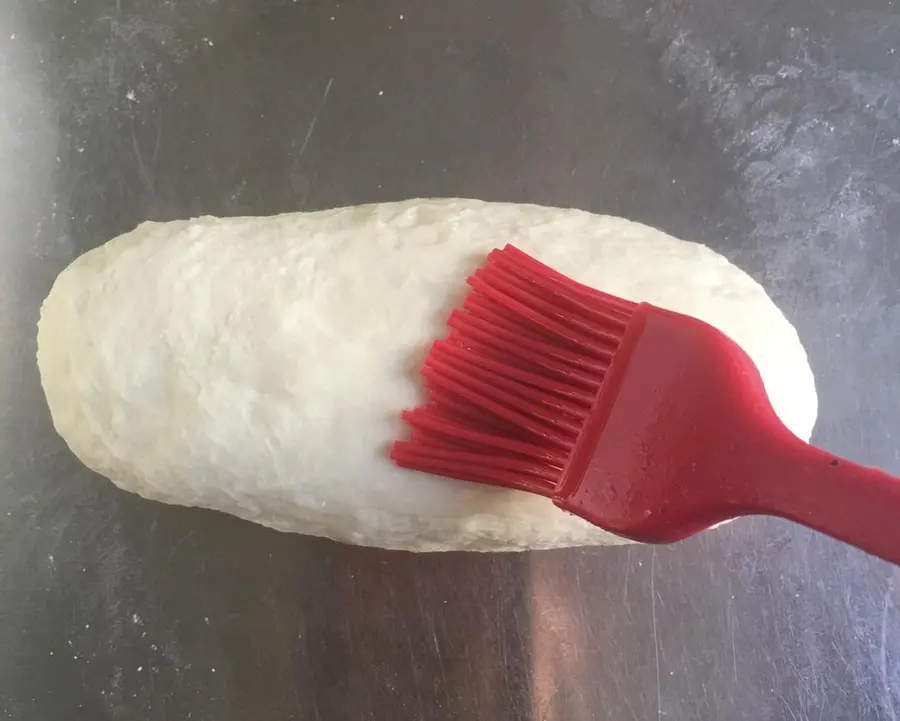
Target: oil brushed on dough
x,y
258,365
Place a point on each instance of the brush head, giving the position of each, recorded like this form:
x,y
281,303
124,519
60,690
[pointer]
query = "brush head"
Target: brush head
x,y
513,390
628,415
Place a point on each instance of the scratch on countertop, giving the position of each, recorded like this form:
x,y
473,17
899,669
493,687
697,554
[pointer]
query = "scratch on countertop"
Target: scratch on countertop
x,y
146,171
732,622
885,680
655,632
625,582
315,118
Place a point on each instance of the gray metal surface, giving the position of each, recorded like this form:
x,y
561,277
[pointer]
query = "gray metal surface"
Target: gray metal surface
x,y
768,130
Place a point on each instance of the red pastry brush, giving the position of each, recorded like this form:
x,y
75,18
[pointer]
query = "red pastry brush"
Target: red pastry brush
x,y
650,424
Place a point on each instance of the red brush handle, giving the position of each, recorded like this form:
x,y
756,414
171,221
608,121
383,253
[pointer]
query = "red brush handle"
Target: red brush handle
x,y
691,439
855,504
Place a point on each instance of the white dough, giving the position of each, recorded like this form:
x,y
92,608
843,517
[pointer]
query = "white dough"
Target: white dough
x,y
258,366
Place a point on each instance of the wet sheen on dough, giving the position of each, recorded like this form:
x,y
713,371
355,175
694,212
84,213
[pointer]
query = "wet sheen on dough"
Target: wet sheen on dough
x,y
258,365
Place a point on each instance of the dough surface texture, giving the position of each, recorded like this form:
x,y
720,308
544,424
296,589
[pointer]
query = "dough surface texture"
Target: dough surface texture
x,y
257,366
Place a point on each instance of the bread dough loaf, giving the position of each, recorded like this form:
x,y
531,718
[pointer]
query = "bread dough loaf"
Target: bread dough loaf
x,y
258,366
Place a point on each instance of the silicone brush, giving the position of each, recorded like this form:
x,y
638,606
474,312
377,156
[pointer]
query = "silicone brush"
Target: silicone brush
x,y
650,424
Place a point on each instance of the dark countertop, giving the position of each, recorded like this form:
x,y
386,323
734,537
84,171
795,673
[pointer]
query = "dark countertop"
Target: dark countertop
x,y
768,130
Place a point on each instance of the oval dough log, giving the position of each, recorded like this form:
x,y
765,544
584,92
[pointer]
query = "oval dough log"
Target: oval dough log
x,y
258,366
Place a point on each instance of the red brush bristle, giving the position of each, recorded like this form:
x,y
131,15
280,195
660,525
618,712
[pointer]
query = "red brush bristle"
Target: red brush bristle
x,y
512,385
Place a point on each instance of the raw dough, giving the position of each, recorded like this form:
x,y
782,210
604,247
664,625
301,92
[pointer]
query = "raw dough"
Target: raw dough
x,y
258,365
